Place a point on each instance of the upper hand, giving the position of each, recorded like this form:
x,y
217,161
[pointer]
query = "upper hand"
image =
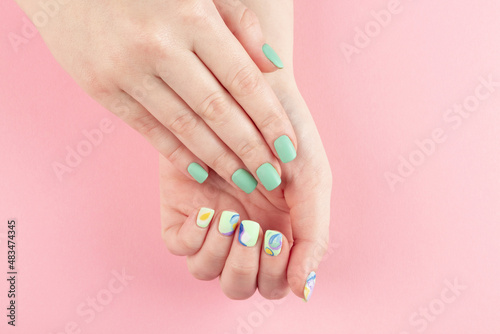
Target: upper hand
x,y
176,72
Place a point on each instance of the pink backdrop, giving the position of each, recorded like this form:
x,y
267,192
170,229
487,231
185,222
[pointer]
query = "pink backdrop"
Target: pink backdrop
x,y
422,255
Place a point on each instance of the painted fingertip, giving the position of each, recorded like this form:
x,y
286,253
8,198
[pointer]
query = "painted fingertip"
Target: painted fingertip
x,y
244,180
204,217
227,222
273,242
309,287
272,55
285,149
197,172
268,176
249,233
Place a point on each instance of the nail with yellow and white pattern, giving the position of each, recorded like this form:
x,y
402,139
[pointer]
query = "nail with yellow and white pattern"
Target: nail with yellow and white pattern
x,y
205,216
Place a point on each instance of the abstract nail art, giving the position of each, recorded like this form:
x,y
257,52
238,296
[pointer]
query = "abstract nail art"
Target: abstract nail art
x,y
309,287
227,222
249,233
204,217
273,242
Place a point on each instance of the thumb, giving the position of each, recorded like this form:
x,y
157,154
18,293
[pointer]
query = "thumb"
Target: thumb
x,y
245,26
310,219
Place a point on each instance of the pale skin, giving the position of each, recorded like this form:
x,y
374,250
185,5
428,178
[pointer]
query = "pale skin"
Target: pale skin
x,y
183,73
174,72
301,210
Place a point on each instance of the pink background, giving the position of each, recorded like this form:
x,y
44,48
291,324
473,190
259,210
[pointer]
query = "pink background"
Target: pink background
x,y
392,250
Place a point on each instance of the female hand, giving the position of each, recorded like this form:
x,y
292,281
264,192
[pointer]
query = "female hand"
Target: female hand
x,y
302,216
175,71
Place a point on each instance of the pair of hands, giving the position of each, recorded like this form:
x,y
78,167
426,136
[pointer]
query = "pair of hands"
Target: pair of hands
x,y
300,211
188,76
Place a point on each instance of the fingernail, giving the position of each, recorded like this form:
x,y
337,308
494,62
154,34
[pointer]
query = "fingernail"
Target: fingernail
x,y
249,233
272,242
244,180
197,172
268,176
308,289
272,55
284,147
204,217
227,222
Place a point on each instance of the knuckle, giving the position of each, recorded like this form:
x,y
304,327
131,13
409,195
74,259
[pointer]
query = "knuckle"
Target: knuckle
x,y
248,19
189,246
194,13
145,124
237,295
184,122
248,150
242,269
246,81
272,274
215,255
95,85
214,107
200,272
175,154
221,161
273,122
147,43
276,293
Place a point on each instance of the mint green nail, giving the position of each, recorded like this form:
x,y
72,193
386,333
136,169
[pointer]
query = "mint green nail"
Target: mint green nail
x,y
272,56
284,147
249,233
268,176
197,172
244,180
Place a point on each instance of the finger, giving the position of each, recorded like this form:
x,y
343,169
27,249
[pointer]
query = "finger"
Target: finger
x,y
140,119
310,220
187,238
207,264
245,26
169,109
239,276
197,86
247,85
272,279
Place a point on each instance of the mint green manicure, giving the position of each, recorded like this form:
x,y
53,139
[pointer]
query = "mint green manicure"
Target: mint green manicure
x,y
284,147
244,180
272,55
268,176
197,172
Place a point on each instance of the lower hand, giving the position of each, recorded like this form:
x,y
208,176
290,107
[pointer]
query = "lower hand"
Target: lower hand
x,y
302,215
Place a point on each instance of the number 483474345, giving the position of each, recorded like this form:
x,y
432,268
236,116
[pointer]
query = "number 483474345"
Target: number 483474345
x,y
11,244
